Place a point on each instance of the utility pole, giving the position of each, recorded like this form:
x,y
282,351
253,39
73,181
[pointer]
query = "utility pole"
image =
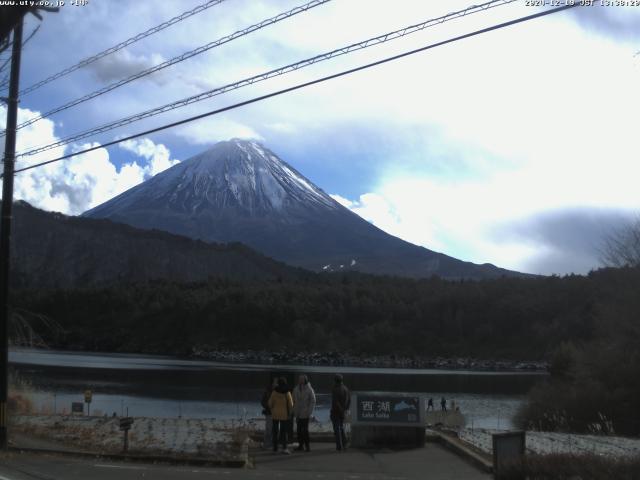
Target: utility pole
x,y
5,226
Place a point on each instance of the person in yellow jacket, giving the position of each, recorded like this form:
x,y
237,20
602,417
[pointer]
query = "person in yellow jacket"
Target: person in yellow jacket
x,y
281,406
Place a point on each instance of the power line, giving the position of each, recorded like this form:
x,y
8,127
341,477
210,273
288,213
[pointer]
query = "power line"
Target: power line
x,y
121,45
178,59
307,84
270,74
6,62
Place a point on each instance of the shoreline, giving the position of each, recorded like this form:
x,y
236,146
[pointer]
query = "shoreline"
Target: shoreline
x,y
263,358
334,359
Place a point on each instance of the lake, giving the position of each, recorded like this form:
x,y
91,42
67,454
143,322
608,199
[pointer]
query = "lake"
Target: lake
x,y
164,386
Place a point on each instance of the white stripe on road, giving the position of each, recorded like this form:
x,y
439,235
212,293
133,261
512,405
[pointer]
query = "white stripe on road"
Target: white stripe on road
x,y
4,478
126,467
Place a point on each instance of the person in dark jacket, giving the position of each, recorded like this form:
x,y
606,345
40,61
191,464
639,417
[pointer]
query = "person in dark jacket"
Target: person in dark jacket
x,y
266,411
281,406
443,404
340,402
430,405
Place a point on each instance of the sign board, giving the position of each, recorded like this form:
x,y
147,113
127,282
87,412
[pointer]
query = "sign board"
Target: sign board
x,y
125,423
87,396
508,447
393,409
77,407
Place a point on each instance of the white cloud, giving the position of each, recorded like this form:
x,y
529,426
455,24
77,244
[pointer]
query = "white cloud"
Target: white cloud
x,y
345,202
281,127
74,185
211,130
377,209
77,184
475,220
157,155
530,119
548,149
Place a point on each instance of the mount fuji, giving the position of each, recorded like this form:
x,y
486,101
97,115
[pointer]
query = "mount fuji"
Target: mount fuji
x,y
240,191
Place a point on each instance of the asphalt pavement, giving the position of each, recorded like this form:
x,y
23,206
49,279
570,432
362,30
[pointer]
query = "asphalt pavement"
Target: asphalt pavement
x,y
323,462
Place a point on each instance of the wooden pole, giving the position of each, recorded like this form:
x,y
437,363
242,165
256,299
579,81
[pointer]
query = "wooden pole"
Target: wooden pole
x,y
5,226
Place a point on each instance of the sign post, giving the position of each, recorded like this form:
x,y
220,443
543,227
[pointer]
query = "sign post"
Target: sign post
x,y
125,426
87,399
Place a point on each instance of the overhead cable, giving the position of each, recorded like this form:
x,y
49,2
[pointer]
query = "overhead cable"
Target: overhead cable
x,y
267,75
121,45
175,60
305,84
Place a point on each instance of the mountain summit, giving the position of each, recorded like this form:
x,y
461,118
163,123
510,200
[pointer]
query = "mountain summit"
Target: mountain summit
x,y
241,191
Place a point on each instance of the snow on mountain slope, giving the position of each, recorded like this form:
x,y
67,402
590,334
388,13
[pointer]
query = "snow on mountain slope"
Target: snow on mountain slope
x,y
239,190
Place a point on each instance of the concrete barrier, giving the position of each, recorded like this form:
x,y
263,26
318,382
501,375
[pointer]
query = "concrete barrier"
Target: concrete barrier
x,y
446,419
367,436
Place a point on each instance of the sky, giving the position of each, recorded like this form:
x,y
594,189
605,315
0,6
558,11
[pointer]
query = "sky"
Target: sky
x,y
518,147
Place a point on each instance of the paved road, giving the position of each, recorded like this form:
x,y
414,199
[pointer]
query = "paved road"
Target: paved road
x,y
432,462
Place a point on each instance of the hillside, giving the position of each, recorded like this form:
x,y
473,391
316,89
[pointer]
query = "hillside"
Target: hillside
x,y
54,250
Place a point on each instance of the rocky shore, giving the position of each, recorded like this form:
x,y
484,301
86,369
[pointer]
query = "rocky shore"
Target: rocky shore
x,y
332,359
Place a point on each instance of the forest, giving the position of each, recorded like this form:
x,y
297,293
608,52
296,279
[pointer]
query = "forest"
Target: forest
x,y
510,318
585,326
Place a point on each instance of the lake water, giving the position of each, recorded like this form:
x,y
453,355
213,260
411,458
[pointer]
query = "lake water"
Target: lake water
x,y
159,386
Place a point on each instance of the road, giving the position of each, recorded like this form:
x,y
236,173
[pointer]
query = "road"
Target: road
x,y
432,461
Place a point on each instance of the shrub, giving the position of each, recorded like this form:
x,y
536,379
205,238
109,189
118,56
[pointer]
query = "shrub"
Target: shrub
x,y
572,467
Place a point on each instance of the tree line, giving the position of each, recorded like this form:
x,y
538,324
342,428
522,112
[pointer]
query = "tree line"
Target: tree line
x,y
588,327
511,318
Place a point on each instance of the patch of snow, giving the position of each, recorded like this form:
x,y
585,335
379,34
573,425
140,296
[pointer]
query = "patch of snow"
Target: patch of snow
x,y
552,442
316,194
299,180
259,149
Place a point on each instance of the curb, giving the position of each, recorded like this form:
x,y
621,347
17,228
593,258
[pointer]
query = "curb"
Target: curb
x,y
314,438
126,457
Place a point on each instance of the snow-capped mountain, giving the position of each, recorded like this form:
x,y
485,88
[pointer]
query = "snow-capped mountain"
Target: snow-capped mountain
x,y
241,191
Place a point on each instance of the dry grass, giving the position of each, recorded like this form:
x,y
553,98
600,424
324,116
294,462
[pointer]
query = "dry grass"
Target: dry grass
x,y
572,467
19,404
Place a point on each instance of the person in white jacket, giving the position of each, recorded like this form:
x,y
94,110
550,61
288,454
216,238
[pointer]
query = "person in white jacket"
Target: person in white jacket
x,y
304,402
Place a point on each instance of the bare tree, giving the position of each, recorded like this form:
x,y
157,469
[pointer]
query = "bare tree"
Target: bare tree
x,y
28,328
621,248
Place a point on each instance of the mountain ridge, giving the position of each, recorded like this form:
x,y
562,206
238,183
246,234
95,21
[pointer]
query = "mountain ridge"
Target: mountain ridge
x,y
52,250
239,190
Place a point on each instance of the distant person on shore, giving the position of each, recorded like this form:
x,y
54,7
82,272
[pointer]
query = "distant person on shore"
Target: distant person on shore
x,y
340,402
443,404
266,411
281,407
430,405
453,405
304,402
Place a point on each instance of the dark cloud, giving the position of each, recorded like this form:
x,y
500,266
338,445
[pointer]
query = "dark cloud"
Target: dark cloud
x,y
615,22
124,64
568,240
78,194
